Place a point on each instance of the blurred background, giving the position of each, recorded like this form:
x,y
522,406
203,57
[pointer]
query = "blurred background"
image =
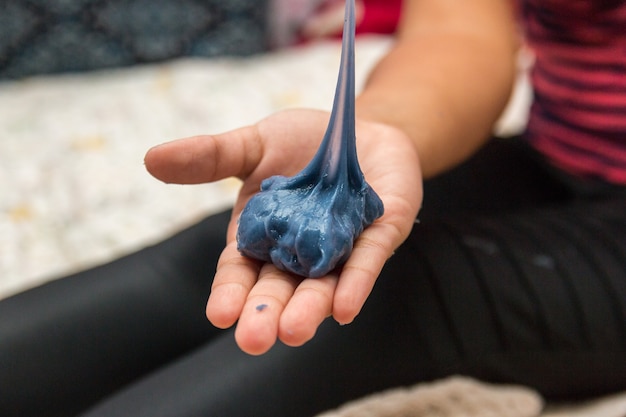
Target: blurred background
x,y
88,86
50,36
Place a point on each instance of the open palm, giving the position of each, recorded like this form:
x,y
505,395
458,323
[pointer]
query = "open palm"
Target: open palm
x,y
268,303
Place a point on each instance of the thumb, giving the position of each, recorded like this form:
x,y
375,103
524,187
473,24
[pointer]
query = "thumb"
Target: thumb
x,y
207,158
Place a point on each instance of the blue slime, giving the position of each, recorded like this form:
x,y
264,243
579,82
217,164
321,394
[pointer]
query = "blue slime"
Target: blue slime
x,y
307,224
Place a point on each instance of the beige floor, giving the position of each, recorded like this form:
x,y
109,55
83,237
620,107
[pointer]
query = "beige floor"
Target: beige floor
x,y
74,191
464,397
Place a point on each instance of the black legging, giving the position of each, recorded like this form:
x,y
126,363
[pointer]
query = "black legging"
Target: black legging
x,y
513,275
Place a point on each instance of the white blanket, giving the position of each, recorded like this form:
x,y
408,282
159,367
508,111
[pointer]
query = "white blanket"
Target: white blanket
x,y
74,191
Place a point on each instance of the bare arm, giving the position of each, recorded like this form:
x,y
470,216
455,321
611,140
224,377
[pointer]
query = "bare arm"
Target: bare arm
x,y
432,100
447,79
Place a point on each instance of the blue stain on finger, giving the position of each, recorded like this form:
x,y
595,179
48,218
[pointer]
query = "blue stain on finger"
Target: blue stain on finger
x,y
261,307
307,224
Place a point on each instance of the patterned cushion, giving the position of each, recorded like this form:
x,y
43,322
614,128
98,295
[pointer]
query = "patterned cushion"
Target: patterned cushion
x,y
51,36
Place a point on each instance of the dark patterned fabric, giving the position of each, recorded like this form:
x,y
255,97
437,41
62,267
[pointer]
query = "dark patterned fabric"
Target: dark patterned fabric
x,y
51,36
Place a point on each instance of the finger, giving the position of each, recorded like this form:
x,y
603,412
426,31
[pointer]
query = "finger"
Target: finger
x,y
201,159
234,279
359,274
257,329
311,303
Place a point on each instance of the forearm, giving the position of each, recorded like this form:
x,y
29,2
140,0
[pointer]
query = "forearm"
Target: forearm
x,y
446,80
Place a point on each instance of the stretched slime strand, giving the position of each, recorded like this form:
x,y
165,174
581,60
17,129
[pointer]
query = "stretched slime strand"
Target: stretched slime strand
x,y
307,224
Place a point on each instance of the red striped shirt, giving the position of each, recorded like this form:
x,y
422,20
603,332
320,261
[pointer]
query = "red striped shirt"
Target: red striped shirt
x,y
578,118
380,16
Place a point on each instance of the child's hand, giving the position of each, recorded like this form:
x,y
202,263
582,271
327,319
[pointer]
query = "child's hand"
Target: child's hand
x,y
266,302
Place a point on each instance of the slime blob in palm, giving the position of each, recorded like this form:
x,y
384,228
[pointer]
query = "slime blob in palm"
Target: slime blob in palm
x,y
307,224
